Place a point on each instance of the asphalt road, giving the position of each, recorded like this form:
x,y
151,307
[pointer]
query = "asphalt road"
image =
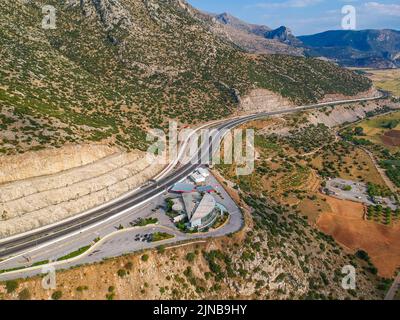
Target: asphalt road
x,y
25,242
115,242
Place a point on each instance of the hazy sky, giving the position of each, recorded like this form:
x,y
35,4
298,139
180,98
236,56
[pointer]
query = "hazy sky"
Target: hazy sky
x,y
308,16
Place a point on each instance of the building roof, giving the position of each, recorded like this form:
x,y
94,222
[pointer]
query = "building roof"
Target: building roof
x,y
203,172
197,177
183,187
205,207
178,205
190,203
205,189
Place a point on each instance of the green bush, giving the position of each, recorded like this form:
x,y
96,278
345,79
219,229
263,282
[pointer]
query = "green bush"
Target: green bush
x,y
121,273
11,286
56,295
190,256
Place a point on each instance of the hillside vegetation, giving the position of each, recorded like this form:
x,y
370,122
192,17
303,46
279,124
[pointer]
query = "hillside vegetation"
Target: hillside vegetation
x,y
112,69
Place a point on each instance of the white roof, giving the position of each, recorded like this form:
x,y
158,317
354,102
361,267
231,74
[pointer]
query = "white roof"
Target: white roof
x,y
205,207
203,172
197,177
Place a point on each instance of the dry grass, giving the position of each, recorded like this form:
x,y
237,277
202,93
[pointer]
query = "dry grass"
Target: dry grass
x,y
386,79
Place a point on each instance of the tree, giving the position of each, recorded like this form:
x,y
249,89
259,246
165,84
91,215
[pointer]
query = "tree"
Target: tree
x,y
190,256
56,295
121,273
145,257
359,131
11,286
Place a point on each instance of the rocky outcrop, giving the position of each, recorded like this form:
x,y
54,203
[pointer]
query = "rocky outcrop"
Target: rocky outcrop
x,y
371,93
35,202
50,161
262,100
283,34
339,115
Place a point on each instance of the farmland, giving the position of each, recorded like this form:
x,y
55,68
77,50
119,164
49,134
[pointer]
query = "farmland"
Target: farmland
x,y
388,80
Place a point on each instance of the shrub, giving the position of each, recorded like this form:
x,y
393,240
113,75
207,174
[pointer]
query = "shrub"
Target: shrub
x,y
121,273
161,249
11,286
145,257
56,295
24,294
190,256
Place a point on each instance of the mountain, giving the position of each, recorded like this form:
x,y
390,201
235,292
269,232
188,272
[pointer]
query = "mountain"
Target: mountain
x,y
283,34
249,37
366,48
113,69
238,24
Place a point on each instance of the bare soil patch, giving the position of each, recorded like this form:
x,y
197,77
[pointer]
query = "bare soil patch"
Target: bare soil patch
x,y
392,138
345,223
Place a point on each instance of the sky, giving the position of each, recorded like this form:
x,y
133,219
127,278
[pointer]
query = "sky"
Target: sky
x,y
308,16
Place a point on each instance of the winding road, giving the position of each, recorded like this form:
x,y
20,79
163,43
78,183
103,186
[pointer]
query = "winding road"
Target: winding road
x,y
173,173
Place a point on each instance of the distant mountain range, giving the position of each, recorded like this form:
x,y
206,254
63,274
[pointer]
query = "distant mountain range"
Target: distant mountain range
x,y
366,48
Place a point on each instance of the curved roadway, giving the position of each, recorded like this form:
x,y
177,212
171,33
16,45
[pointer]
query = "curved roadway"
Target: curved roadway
x,y
20,243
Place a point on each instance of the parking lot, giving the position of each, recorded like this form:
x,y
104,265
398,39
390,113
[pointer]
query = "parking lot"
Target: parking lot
x,y
354,191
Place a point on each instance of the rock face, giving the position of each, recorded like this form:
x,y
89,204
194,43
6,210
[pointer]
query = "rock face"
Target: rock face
x,y
261,100
229,20
41,200
345,114
251,37
50,161
283,34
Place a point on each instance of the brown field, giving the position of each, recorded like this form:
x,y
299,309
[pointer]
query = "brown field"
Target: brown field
x,y
392,138
344,221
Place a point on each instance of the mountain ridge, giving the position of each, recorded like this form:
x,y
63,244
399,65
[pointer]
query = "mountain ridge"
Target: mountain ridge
x,y
349,48
358,48
113,69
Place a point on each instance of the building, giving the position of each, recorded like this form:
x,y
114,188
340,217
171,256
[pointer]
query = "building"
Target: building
x,y
203,172
205,213
183,188
205,189
190,201
197,178
199,211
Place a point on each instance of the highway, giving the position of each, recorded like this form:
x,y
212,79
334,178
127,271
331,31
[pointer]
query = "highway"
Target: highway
x,y
18,244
